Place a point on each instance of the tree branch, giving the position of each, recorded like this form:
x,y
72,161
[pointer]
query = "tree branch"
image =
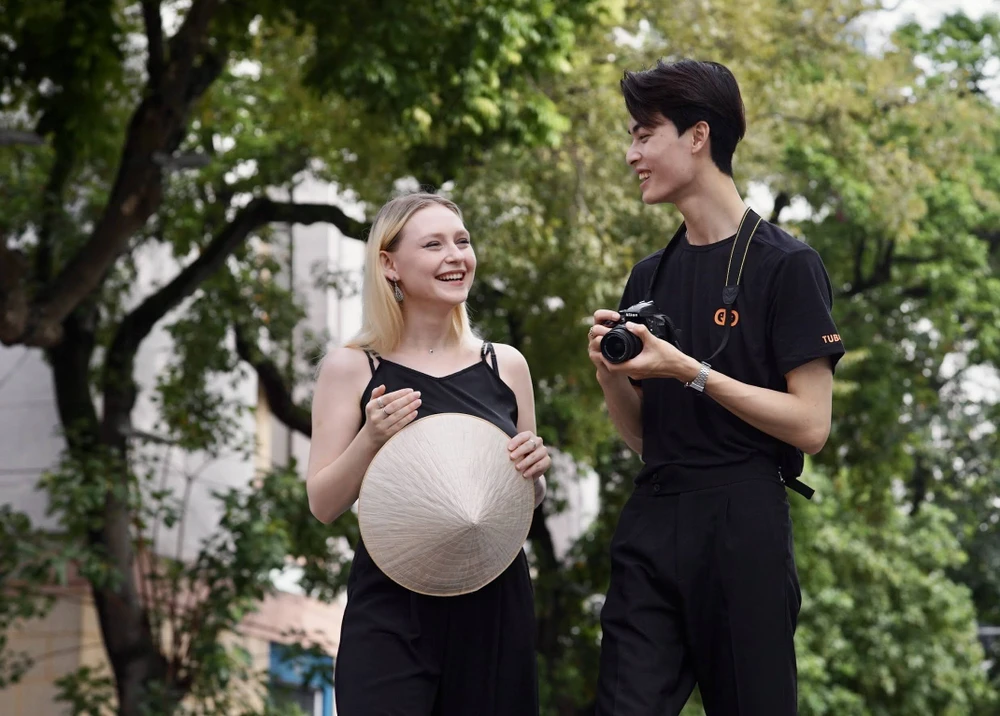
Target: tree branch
x,y
920,480
52,200
156,127
917,292
859,257
541,537
884,268
881,273
70,361
290,213
202,76
918,260
14,306
279,397
118,382
154,37
256,214
992,239
186,47
781,203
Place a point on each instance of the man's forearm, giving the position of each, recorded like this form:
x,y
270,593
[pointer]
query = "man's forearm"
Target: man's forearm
x,y
784,416
625,408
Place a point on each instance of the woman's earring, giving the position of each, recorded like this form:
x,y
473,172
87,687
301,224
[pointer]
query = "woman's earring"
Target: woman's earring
x,y
397,293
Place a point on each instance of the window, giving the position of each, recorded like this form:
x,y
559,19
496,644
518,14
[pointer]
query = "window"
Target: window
x,y
302,679
309,701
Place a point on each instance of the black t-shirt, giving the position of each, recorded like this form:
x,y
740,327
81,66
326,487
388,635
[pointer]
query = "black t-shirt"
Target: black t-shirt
x,y
783,321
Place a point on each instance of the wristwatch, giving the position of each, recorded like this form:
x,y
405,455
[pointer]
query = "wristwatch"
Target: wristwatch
x,y
699,380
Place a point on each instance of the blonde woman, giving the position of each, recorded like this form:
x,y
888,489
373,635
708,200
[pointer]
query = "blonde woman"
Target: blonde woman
x,y
416,355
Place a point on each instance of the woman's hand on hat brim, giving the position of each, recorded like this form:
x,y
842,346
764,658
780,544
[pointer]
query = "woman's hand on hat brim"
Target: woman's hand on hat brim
x,y
530,456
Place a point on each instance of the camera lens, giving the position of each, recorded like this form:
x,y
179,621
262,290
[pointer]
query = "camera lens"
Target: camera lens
x,y
618,345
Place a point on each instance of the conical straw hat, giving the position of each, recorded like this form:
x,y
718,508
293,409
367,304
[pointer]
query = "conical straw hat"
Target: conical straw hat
x,y
442,509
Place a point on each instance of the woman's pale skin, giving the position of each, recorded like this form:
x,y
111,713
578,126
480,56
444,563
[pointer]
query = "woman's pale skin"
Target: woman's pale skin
x,y
433,247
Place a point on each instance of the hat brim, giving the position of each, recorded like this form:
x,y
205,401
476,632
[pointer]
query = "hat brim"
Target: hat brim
x,y
442,510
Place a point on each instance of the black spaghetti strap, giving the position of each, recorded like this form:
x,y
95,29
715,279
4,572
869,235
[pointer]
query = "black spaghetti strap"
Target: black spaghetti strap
x,y
488,350
371,356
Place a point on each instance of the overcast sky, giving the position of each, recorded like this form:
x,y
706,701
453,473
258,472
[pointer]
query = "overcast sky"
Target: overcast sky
x,y
928,12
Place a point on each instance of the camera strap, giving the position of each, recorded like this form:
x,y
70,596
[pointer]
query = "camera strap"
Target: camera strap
x,y
730,292
744,235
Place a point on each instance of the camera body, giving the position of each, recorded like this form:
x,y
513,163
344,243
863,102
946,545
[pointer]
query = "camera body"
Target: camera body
x,y
618,345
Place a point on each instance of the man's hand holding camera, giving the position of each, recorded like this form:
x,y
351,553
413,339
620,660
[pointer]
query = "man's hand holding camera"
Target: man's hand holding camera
x,y
634,350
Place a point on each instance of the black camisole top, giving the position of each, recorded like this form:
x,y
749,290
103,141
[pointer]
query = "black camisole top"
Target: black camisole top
x,y
476,390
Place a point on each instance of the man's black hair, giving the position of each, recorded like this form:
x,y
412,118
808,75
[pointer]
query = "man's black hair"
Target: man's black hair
x,y
687,92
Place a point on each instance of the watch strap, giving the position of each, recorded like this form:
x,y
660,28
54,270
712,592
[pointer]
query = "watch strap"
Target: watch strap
x,y
699,380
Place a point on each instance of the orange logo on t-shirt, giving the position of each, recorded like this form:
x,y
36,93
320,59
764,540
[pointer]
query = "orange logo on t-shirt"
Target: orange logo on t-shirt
x,y
720,317
832,338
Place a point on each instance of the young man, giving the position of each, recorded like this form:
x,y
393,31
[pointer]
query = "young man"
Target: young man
x,y
703,582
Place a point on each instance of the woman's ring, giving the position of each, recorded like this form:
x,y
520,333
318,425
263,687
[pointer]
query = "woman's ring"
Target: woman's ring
x,y
384,411
590,333
532,441
378,401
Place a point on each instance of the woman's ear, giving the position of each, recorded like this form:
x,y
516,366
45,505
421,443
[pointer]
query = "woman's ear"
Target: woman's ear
x,y
388,266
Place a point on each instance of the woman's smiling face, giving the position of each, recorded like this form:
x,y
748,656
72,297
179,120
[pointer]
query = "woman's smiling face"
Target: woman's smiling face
x,y
433,260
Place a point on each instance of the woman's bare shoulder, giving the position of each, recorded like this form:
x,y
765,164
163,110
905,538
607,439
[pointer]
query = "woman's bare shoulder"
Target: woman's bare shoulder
x,y
343,367
510,356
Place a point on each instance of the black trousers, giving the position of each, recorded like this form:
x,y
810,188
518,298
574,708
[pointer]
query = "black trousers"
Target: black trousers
x,y
703,590
408,654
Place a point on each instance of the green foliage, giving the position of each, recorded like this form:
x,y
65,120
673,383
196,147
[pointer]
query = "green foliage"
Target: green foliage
x,y
87,692
883,629
452,73
62,59
25,566
194,604
261,530
960,49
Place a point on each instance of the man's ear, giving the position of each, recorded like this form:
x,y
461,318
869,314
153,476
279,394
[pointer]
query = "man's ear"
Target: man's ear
x,y
699,136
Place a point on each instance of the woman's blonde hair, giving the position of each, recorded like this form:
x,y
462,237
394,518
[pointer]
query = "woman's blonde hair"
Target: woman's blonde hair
x,y
381,315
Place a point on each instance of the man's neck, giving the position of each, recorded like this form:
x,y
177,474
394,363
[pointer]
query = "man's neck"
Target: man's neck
x,y
712,210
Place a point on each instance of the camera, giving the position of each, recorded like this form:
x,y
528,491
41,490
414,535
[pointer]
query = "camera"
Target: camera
x,y
618,345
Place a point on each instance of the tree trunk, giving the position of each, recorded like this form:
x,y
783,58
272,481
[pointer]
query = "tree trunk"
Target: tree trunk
x,y
135,658
919,483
